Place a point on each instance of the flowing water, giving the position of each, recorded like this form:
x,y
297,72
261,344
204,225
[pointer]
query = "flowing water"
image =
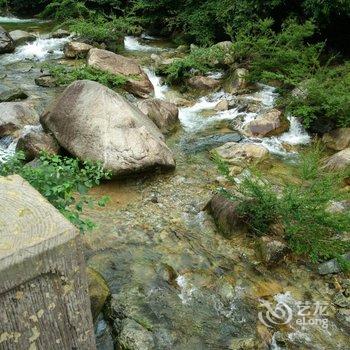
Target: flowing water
x,y
168,269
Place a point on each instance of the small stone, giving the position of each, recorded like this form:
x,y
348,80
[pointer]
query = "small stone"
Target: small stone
x,y
46,81
271,250
60,33
341,300
203,83
76,49
223,105
332,266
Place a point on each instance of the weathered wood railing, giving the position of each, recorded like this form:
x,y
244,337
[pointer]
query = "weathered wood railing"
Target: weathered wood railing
x,y
44,301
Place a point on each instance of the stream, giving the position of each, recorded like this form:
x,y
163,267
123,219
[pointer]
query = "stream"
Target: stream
x,y
175,282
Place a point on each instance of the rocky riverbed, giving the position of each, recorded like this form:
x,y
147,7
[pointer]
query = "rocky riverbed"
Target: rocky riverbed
x,y
162,276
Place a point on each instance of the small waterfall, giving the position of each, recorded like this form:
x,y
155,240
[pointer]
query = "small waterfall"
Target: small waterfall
x,y
7,148
131,43
159,88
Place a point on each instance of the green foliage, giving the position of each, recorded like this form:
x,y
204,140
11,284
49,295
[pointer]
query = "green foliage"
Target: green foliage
x,y
63,181
102,29
325,95
66,9
200,60
65,75
283,56
310,228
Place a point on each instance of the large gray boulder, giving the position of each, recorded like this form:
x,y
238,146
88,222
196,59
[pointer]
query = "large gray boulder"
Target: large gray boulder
x,y
164,114
7,44
21,37
93,122
14,116
138,82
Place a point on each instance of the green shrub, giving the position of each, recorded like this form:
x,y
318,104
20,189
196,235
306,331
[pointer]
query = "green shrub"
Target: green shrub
x,y
102,29
283,56
301,208
326,96
61,10
200,60
65,75
63,181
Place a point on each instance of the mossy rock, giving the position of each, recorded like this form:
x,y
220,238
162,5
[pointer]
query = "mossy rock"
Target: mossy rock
x,y
98,291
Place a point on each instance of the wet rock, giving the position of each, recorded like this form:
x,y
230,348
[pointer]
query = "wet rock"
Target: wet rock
x,y
240,153
332,266
338,139
238,81
343,318
35,142
271,250
203,83
339,161
12,94
98,291
76,49
341,300
46,81
245,344
206,143
7,45
21,37
164,114
60,33
225,214
182,49
177,99
104,335
223,105
133,336
138,82
270,124
116,134
14,116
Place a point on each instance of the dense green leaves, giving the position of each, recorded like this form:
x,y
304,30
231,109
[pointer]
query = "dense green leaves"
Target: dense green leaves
x,y
301,208
63,181
65,75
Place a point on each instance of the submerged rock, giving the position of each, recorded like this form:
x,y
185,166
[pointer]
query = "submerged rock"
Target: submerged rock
x,y
7,45
98,291
164,114
339,161
35,142
12,94
240,153
14,116
225,214
93,122
270,124
338,139
76,49
138,82
203,83
21,37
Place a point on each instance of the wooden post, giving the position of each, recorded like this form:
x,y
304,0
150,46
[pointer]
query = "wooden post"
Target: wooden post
x,y
44,302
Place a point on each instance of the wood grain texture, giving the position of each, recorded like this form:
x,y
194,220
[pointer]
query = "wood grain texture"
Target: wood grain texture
x,y
44,299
